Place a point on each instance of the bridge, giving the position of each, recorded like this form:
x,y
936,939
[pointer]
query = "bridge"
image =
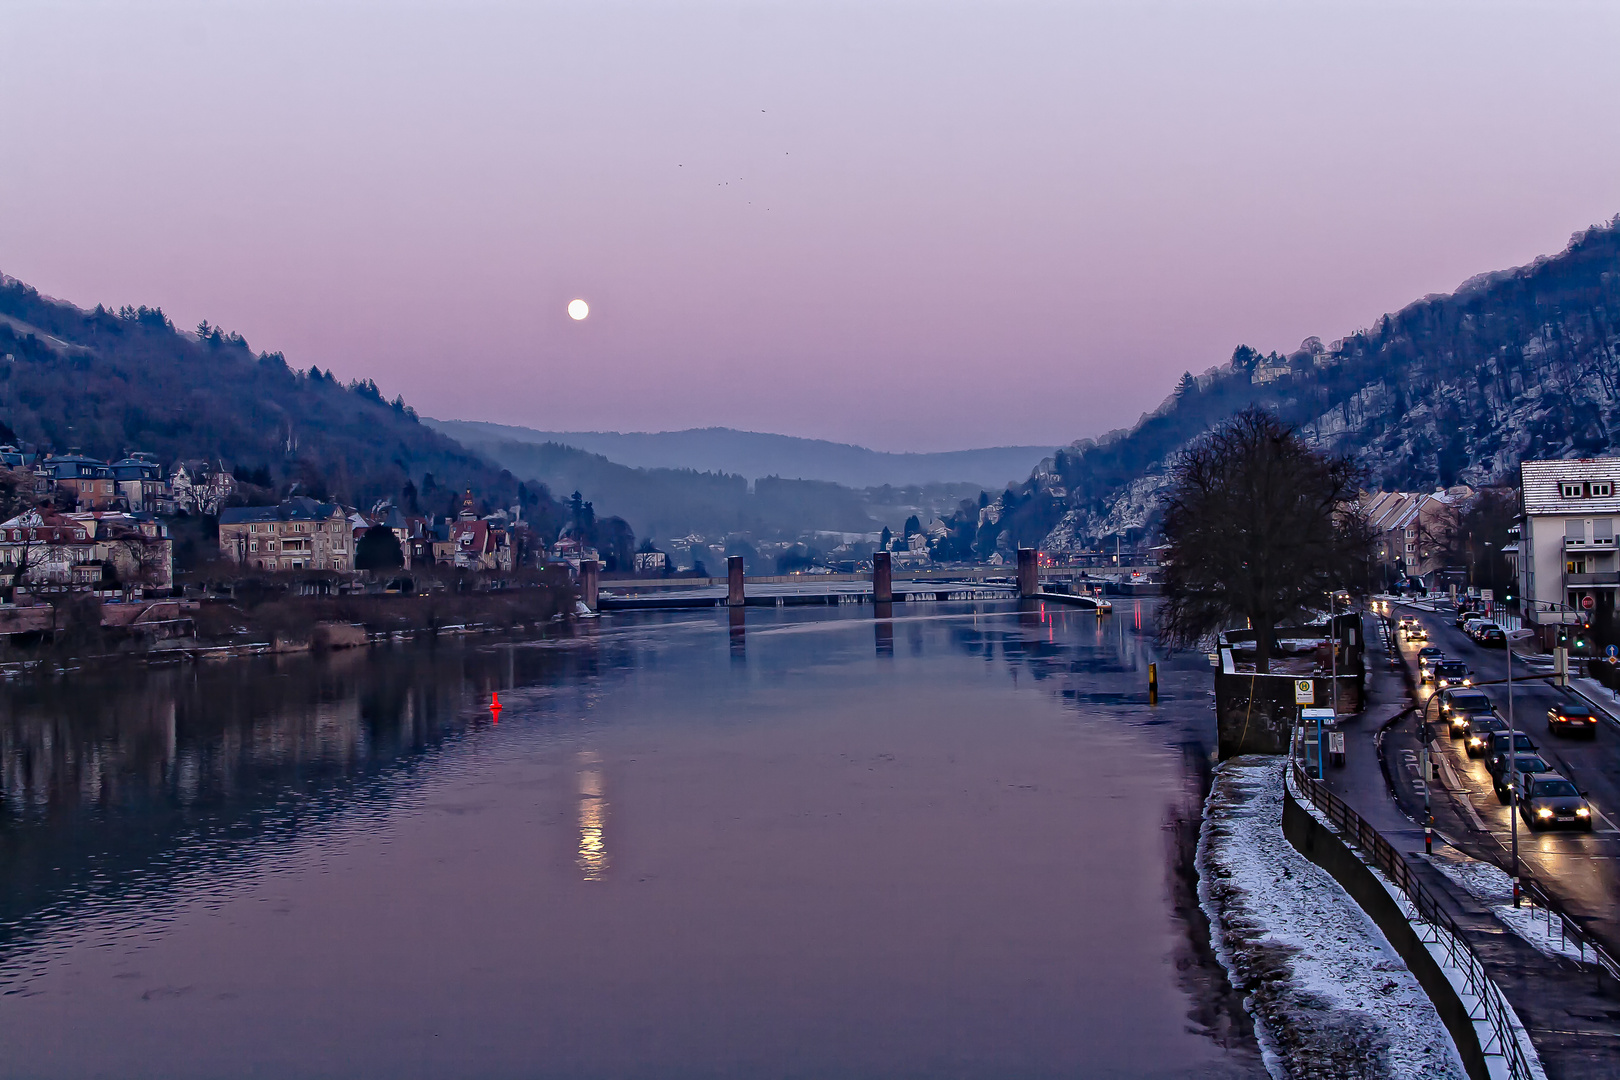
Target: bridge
x,y
884,585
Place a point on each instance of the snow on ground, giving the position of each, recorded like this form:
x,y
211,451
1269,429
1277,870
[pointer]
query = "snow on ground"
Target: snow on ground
x,y
1491,885
1331,996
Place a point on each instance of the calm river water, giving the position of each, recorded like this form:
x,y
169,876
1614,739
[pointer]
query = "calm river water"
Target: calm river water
x,y
954,844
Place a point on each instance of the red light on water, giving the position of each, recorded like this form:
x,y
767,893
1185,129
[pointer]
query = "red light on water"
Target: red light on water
x,y
495,706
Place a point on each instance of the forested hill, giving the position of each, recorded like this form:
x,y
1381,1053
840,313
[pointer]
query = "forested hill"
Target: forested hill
x,y
106,383
1451,389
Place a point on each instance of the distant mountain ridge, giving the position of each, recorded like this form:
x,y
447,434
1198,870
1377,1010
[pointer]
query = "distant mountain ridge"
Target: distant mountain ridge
x,y
1453,388
757,454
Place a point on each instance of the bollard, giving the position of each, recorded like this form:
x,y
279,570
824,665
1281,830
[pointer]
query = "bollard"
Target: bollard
x,y
1153,684
734,581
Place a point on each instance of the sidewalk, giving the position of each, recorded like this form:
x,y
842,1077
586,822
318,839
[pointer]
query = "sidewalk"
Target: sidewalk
x,y
1568,1008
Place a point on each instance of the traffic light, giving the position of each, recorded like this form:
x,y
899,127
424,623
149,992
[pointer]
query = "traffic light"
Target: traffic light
x,y
1563,638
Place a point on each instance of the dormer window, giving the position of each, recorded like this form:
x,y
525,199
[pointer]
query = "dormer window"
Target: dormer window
x,y
1602,489
1570,489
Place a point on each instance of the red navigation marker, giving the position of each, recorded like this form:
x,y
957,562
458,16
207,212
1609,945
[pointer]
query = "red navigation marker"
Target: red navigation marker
x,y
495,706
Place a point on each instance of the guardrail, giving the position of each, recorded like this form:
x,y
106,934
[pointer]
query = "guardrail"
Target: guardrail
x,y
1435,926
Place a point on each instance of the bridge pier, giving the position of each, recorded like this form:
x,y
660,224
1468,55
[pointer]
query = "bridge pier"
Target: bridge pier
x,y
734,581
882,578
1029,573
589,576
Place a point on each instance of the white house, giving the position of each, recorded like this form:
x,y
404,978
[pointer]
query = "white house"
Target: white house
x,y
1566,558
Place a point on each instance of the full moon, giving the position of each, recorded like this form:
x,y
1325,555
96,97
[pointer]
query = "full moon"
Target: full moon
x,y
578,309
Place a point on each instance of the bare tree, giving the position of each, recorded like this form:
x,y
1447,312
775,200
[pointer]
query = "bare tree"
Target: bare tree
x,y
1261,527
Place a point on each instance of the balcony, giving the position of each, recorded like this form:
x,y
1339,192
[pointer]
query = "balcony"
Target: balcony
x,y
1602,543
1575,581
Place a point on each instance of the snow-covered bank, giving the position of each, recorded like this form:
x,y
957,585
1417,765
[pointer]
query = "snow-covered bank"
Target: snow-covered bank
x,y
1331,997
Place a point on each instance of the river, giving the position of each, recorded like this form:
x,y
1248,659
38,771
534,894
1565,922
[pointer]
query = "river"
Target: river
x,y
957,843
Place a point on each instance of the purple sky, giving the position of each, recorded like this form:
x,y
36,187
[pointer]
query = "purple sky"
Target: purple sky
x,y
913,226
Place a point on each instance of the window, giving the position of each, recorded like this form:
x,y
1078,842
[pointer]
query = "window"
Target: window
x,y
1602,489
1603,531
1574,531
1570,489
1576,565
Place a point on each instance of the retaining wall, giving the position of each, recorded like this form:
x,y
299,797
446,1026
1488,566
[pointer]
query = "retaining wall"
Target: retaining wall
x,y
1327,849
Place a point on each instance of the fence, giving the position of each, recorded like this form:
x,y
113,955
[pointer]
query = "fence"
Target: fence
x,y
1434,927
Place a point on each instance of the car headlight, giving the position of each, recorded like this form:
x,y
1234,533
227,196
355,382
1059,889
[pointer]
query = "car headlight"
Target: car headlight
x,y
1581,811
1544,812
1476,742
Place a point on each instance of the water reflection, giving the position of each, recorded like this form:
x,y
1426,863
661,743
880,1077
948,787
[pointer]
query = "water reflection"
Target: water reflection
x,y
593,856
816,826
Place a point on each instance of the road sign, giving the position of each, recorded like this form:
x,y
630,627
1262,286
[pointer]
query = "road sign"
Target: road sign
x,y
1335,742
1487,595
1587,602
1304,692
1612,651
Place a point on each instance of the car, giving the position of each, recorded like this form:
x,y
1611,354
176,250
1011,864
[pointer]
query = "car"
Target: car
x,y
1472,625
1493,637
1456,705
1452,673
1406,623
1481,627
1466,613
1522,765
1572,718
1480,728
1417,632
1496,751
1428,656
1550,800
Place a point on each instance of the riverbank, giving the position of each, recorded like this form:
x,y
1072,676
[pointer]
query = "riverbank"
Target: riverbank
x,y
1330,996
220,629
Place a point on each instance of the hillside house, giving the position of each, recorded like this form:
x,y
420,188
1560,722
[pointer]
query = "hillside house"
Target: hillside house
x,y
139,480
87,549
89,479
297,534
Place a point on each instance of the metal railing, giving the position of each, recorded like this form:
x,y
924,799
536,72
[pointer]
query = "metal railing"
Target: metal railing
x,y
1433,925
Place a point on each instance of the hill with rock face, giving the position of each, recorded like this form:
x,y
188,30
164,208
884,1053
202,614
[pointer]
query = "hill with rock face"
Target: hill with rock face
x,y
1454,388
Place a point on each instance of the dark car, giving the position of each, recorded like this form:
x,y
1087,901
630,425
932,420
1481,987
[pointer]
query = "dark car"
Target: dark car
x,y
1456,703
1570,718
1464,614
1452,673
1527,764
1492,637
1550,800
1481,726
1427,658
1496,750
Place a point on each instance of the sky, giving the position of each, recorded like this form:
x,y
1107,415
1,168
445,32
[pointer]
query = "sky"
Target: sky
x,y
913,226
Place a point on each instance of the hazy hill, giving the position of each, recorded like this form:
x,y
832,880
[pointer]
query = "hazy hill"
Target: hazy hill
x,y
676,502
109,382
1453,388
754,454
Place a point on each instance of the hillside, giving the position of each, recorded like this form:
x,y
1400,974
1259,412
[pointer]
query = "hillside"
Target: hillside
x,y
107,383
676,502
1453,388
755,454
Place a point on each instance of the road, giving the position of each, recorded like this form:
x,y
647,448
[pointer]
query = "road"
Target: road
x,y
1581,870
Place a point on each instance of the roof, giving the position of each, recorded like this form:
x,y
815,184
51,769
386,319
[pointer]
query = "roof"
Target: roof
x,y
1540,482
301,508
